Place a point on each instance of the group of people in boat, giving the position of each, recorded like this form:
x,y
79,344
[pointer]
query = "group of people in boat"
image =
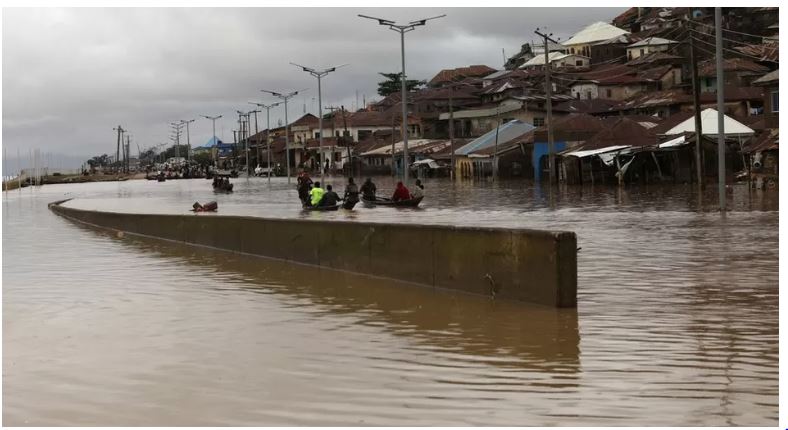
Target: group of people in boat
x,y
312,194
222,183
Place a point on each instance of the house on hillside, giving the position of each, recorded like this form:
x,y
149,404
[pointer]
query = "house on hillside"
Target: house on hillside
x,y
771,97
580,43
447,76
738,72
648,46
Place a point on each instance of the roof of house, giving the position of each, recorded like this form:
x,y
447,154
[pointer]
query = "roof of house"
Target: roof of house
x,y
588,106
709,124
505,133
622,132
595,32
708,68
420,146
655,57
621,39
497,74
652,41
305,120
766,52
448,75
768,79
539,59
767,140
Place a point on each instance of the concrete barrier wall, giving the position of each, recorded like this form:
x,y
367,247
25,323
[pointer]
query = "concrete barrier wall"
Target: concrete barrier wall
x,y
527,265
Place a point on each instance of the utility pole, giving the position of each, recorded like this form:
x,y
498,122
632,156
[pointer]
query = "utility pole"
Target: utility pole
x,y
549,96
120,130
319,74
720,108
188,140
402,29
285,98
696,103
451,130
126,155
177,127
495,151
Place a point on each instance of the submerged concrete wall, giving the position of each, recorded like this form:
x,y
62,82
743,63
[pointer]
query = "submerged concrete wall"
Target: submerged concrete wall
x,y
527,265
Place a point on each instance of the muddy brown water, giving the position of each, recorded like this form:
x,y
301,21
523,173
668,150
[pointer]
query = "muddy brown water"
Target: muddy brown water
x,y
676,324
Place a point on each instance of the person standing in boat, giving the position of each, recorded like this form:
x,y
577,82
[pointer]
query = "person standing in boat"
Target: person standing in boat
x,y
400,193
368,190
330,198
316,194
304,181
418,190
351,192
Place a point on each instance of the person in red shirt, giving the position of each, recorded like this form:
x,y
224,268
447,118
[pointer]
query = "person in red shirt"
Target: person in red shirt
x,y
401,193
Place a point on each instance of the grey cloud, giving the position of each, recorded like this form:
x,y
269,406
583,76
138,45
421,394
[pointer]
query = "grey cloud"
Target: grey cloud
x,y
70,75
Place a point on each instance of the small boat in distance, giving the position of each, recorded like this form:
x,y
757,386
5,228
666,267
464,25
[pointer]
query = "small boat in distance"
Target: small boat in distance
x,y
382,201
221,184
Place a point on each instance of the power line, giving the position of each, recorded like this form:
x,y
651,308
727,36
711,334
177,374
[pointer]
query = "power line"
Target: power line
x,y
730,31
737,52
723,38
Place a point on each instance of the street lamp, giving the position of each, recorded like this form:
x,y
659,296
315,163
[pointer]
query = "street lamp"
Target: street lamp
x,y
402,29
268,132
319,75
285,98
215,140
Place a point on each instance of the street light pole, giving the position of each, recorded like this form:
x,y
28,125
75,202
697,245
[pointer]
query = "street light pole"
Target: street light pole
x,y
268,132
215,139
285,98
402,29
319,75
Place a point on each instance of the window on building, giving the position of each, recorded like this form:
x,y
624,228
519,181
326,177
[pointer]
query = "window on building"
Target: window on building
x,y
577,95
364,134
317,135
775,101
609,93
538,122
579,63
642,51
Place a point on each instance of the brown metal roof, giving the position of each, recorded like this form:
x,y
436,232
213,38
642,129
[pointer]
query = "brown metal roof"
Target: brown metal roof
x,y
449,75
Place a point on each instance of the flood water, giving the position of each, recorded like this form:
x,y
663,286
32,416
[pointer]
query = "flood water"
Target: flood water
x,y
676,323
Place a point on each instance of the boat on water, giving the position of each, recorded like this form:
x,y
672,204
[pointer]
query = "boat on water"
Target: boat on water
x,y
345,205
221,184
382,201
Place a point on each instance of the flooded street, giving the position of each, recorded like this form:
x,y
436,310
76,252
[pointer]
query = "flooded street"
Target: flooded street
x,y
676,323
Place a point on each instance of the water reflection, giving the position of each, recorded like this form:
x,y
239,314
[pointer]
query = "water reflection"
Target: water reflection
x,y
507,334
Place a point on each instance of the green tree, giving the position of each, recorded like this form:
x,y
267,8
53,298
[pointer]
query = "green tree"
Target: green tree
x,y
393,84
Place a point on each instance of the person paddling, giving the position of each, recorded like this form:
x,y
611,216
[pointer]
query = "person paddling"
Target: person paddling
x,y
401,193
418,190
368,190
351,192
330,198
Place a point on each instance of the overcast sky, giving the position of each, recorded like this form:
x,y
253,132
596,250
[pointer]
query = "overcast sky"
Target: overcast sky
x,y
71,75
